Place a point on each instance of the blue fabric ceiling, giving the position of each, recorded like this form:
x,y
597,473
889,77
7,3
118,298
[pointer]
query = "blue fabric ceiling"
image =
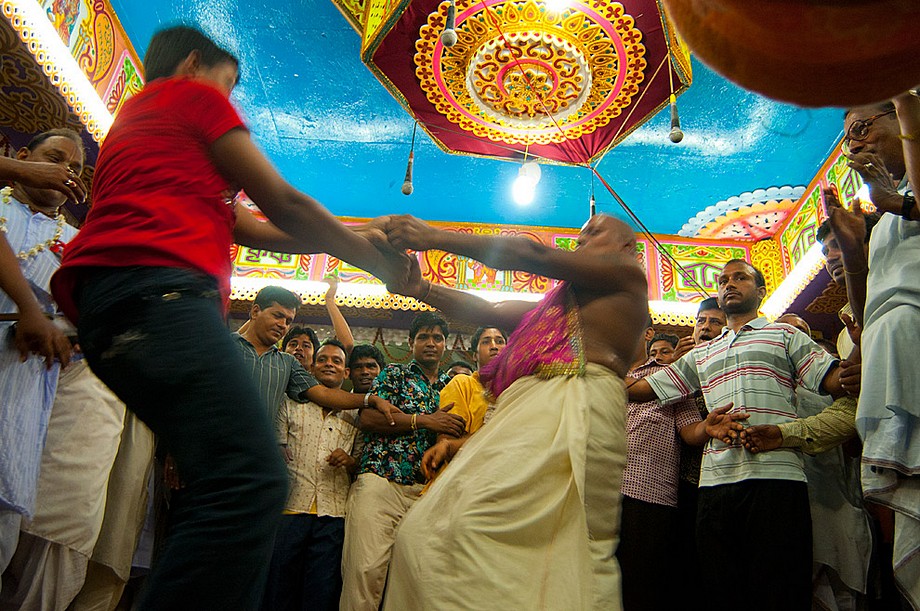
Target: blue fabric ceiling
x,y
336,133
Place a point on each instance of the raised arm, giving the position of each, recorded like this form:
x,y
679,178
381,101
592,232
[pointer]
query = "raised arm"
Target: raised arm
x,y
339,324
297,219
43,175
850,230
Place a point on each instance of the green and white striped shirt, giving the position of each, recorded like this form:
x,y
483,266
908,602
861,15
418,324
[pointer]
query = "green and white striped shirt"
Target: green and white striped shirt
x,y
758,370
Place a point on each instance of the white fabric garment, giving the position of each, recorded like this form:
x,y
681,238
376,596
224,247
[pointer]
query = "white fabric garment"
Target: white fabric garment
x,y
840,526
888,417
527,514
83,436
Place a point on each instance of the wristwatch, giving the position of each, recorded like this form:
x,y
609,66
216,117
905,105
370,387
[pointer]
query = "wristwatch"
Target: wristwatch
x,y
907,207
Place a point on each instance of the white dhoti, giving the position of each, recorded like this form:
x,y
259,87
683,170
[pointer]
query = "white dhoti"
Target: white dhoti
x,y
527,515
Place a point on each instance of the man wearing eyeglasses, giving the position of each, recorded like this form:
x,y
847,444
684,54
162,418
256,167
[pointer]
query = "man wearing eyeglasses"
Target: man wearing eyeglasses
x,y
884,292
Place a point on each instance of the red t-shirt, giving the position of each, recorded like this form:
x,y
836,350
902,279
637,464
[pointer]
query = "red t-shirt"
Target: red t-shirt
x,y
159,200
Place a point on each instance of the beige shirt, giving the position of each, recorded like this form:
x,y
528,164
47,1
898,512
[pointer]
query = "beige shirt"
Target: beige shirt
x,y
311,436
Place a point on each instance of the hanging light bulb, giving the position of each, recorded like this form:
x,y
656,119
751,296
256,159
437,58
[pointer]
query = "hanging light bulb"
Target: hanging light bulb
x,y
525,185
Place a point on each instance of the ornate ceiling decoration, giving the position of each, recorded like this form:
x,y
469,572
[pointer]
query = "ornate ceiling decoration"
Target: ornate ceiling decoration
x,y
562,84
753,215
544,77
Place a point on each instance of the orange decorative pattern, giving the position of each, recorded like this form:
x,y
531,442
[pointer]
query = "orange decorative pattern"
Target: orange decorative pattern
x,y
766,256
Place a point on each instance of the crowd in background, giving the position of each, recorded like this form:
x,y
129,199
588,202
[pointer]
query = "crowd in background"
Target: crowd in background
x,y
745,461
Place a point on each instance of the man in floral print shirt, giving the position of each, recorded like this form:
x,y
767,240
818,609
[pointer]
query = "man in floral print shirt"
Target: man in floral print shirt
x,y
389,472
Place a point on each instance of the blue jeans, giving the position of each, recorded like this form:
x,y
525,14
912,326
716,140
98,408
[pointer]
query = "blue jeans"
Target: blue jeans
x,y
156,337
306,568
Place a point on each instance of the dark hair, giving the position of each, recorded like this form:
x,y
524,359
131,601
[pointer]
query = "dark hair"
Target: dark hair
x,y
332,342
710,303
61,132
297,331
270,295
871,221
662,337
886,106
364,351
758,275
169,47
477,335
461,363
425,320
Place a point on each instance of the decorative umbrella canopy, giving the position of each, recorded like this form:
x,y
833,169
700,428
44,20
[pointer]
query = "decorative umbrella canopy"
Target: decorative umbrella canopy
x,y
562,83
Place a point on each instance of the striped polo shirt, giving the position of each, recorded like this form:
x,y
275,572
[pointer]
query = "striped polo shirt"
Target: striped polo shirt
x,y
276,374
757,369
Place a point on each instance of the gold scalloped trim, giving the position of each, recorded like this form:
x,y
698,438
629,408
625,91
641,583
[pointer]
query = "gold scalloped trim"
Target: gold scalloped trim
x,y
669,318
54,73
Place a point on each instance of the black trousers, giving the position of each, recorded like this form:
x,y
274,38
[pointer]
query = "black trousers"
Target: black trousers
x,y
156,337
754,543
647,555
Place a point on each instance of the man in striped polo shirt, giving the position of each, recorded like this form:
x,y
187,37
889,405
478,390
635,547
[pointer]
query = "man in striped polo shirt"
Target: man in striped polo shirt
x,y
753,524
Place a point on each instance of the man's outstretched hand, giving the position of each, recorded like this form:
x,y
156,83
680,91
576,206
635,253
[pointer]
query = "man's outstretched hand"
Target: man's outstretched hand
x,y
762,438
725,425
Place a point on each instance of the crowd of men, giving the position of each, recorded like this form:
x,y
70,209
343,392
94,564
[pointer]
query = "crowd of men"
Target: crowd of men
x,y
571,464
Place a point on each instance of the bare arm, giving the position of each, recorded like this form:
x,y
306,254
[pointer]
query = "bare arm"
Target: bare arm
x,y
440,422
459,305
831,383
293,214
337,399
719,424
43,175
34,332
339,324
603,274
640,391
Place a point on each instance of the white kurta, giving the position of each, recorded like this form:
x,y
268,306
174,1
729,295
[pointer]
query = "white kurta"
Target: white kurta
x,y
527,514
888,417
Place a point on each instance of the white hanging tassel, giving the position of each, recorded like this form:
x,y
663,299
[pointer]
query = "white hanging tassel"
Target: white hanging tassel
x,y
407,185
449,35
677,133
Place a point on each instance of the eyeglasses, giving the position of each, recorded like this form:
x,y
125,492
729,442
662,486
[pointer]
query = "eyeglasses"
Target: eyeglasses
x,y
859,129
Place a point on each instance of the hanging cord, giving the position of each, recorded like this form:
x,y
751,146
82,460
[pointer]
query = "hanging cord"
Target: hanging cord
x,y
407,186
658,246
632,215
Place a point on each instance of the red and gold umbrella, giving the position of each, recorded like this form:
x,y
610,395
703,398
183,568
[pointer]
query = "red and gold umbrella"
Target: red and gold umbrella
x,y
564,83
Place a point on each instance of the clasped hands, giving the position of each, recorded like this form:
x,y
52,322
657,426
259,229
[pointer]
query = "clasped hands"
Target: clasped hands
x,y
726,426
392,236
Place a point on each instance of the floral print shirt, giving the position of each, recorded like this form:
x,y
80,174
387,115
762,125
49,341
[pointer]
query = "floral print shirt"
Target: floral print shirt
x,y
398,458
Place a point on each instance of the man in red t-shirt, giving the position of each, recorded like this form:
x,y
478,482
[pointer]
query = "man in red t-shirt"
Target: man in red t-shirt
x,y
145,282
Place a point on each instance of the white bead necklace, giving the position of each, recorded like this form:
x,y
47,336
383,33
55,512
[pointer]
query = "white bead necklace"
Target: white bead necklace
x,y
25,255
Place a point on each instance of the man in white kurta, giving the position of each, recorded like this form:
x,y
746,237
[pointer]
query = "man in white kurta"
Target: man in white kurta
x,y
36,231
